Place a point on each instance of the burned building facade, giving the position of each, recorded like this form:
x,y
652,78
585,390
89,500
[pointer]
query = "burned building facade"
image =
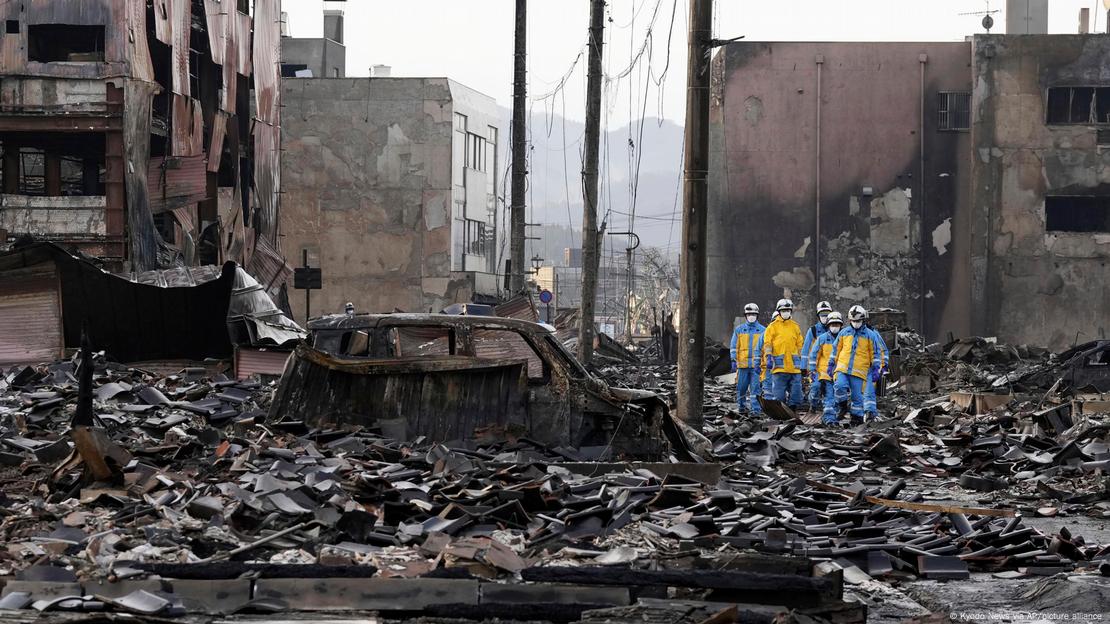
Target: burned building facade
x,y
145,133
890,174
1040,231
390,186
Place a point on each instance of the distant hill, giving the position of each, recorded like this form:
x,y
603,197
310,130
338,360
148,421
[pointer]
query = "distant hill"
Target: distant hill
x,y
551,181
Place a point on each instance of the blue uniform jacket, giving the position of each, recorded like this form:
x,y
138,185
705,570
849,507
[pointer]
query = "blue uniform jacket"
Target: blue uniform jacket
x,y
812,335
747,343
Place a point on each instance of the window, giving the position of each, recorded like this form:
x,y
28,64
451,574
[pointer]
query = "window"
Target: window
x,y
12,27
475,241
475,151
458,150
1078,105
52,43
954,110
503,344
1077,213
32,171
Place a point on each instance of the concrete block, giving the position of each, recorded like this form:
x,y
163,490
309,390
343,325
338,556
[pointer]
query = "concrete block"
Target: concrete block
x,y
121,588
376,594
213,596
43,590
553,593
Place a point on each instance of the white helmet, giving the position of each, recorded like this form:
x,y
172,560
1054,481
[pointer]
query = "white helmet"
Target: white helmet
x,y
835,317
824,306
784,304
857,313
751,308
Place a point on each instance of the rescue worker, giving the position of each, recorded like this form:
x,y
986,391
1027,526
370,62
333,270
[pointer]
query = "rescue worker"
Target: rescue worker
x,y
855,357
870,398
821,382
782,354
746,346
765,379
812,334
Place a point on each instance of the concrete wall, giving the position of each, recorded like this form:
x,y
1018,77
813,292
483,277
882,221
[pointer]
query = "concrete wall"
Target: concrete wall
x,y
1032,285
322,56
763,189
366,176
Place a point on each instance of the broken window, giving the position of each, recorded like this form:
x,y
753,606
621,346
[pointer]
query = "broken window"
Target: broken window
x,y
503,344
424,341
53,43
1077,213
954,110
1078,105
32,171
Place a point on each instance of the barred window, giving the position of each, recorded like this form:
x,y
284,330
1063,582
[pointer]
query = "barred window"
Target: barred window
x,y
954,110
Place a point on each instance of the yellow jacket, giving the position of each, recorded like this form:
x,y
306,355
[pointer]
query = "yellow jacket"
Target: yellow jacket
x,y
819,355
783,341
856,350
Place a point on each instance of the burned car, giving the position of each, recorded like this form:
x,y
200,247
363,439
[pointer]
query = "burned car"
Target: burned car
x,y
470,379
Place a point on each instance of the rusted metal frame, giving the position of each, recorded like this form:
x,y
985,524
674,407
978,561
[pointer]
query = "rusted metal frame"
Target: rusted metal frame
x,y
56,123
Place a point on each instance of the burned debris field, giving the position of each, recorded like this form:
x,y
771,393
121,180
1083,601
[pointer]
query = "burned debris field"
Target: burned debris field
x,y
189,495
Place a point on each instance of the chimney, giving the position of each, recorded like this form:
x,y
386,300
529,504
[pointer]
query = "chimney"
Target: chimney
x,y
1084,21
380,71
333,25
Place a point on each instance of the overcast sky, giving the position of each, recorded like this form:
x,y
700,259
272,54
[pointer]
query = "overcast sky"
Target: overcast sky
x,y
471,41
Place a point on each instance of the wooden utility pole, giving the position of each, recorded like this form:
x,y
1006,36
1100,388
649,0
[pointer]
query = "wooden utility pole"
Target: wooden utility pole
x,y
589,184
691,335
520,163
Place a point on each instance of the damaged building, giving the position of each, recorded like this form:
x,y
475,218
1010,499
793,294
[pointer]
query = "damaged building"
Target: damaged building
x,y
143,133
390,187
962,182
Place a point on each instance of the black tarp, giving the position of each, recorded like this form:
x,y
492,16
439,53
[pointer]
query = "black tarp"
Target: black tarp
x,y
135,322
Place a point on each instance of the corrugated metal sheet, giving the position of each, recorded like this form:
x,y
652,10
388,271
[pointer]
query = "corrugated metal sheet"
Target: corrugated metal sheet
x,y
163,21
216,144
519,308
138,48
267,131
30,316
267,177
181,15
188,127
268,266
215,20
176,181
503,344
251,361
243,40
231,64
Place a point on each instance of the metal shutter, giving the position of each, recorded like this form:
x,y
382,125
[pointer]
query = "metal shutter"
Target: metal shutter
x,y
30,316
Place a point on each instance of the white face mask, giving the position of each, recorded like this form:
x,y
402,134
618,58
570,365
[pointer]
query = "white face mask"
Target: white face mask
x,y
857,324
824,318
751,318
785,315
835,329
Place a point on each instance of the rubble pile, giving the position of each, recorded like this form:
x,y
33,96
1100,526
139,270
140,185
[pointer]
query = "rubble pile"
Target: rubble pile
x,y
203,489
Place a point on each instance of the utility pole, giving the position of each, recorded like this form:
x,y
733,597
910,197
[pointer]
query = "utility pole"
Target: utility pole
x,y
589,184
520,164
691,335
